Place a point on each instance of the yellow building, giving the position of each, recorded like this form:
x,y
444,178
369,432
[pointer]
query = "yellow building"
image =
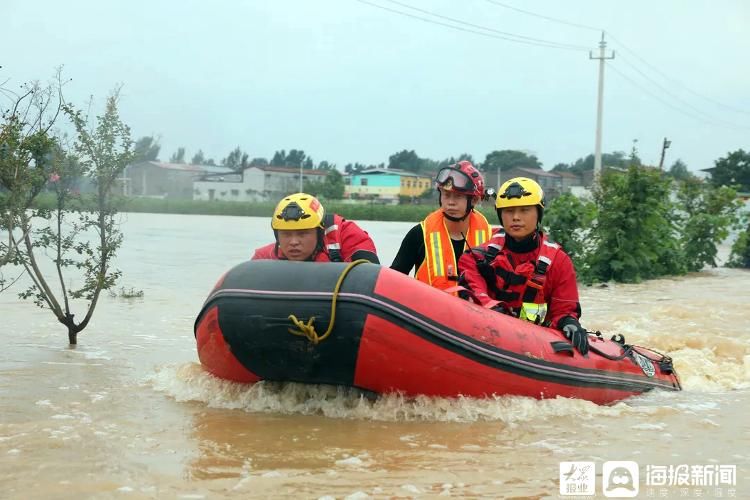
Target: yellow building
x,y
386,184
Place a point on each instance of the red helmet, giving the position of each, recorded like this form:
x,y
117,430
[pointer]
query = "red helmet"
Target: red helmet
x,y
461,177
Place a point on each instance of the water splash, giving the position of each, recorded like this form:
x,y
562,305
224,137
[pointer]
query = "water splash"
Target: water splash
x,y
190,382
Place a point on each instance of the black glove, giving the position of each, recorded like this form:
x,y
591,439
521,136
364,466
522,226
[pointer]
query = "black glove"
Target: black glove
x,y
502,308
575,333
486,271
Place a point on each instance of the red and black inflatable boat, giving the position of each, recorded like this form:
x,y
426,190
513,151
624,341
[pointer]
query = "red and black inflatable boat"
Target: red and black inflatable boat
x,y
393,333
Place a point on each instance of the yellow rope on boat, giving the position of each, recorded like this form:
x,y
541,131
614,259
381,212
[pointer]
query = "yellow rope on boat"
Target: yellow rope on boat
x,y
308,329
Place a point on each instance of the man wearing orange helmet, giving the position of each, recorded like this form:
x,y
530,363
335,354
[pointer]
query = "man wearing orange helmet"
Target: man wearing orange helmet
x,y
520,272
304,232
433,246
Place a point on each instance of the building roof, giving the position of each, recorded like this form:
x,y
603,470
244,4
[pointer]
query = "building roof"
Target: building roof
x,y
569,175
289,170
390,171
537,171
187,167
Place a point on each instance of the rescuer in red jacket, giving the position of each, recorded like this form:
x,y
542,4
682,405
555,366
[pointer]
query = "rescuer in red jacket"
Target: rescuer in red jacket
x,y
520,272
304,232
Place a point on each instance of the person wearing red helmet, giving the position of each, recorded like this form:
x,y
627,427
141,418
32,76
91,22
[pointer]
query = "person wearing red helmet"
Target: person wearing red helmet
x,y
433,246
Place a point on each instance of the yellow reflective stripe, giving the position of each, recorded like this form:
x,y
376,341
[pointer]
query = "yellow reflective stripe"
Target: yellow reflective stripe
x,y
437,254
480,236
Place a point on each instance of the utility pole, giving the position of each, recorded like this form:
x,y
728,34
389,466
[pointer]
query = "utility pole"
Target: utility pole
x,y
664,146
599,106
300,177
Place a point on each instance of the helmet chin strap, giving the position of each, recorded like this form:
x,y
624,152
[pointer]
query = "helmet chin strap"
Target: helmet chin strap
x,y
456,219
469,208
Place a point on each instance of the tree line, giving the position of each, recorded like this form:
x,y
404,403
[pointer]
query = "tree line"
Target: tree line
x,y
733,169
642,224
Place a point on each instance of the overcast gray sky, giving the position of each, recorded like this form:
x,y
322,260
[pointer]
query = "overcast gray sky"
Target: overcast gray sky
x,y
350,81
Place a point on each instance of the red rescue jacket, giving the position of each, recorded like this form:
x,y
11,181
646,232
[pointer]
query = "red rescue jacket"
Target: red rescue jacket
x,y
544,275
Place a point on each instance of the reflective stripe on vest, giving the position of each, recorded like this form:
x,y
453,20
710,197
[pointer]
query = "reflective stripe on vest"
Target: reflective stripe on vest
x,y
440,268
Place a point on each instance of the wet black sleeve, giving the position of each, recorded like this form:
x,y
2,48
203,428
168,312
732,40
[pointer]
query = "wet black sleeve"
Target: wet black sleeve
x,y
367,255
411,254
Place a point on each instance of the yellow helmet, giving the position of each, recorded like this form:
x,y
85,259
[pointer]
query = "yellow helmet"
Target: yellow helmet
x,y
519,192
298,211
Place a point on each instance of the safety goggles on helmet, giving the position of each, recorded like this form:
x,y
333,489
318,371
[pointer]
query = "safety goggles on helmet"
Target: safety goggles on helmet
x,y
453,179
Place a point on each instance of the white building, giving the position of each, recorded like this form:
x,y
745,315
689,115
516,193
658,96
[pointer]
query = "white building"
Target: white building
x,y
253,184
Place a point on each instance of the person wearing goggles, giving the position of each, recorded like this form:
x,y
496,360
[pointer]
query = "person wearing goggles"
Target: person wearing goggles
x,y
304,232
519,271
433,246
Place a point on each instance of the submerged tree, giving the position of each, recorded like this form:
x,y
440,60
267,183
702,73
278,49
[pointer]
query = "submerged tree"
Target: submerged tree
x,y
80,233
733,170
707,215
26,146
740,254
568,218
636,234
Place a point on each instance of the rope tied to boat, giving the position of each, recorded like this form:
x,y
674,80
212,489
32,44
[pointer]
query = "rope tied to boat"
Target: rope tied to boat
x,y
308,329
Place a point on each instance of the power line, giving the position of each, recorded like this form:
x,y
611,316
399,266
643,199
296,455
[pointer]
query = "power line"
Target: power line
x,y
669,104
553,19
626,48
675,97
459,21
492,32
677,82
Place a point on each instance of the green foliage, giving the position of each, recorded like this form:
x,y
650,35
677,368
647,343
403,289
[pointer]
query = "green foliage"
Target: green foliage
x,y
258,162
198,158
615,159
236,160
331,188
733,170
355,168
406,160
452,160
508,159
178,156
126,293
569,219
296,158
635,236
146,149
707,214
679,171
740,254
26,152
